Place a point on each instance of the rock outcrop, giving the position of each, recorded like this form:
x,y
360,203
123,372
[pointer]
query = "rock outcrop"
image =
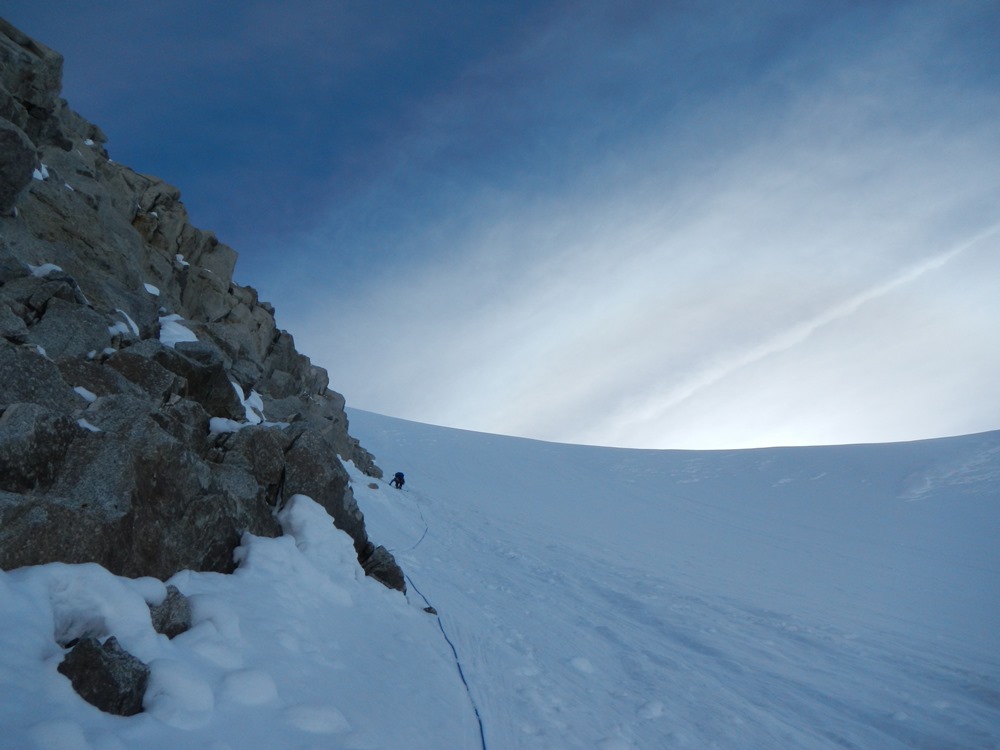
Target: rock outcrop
x,y
151,412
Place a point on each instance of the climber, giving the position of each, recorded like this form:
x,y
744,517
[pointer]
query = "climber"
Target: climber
x,y
398,481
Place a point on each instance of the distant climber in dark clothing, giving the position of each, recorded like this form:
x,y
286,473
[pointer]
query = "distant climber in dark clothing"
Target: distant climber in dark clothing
x,y
398,481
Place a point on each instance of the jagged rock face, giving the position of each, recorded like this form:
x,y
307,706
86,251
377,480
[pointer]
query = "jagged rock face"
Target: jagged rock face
x,y
111,448
17,162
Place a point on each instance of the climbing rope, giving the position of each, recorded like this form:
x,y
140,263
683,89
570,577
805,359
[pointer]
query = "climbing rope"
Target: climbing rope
x,y
432,610
458,662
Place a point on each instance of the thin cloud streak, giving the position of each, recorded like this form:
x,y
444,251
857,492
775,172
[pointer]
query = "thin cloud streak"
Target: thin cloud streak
x,y
657,407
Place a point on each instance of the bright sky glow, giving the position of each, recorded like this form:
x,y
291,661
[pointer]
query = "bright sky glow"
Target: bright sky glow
x,y
641,224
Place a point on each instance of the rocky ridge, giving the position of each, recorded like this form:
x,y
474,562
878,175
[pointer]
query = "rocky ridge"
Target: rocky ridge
x,y
151,412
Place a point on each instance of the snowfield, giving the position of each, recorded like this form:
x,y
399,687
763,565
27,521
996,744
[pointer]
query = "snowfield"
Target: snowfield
x,y
586,598
794,598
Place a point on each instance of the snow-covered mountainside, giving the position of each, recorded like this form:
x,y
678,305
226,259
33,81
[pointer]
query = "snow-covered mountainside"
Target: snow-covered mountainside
x,y
586,597
807,598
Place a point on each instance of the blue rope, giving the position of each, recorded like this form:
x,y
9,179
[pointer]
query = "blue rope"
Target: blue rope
x,y
426,527
454,651
458,663
417,542
423,520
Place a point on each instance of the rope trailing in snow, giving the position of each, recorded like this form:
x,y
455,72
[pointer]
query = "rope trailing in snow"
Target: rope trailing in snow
x,y
431,608
422,520
458,663
417,544
426,527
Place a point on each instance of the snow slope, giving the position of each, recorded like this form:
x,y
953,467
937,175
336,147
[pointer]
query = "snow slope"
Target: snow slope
x,y
807,597
586,597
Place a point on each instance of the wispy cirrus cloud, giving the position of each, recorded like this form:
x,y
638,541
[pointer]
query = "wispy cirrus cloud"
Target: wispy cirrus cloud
x,y
620,308
655,408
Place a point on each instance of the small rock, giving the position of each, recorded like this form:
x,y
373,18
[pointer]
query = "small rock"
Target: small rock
x,y
173,615
106,676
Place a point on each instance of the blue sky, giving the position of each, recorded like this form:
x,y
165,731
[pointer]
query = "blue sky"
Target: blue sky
x,y
686,224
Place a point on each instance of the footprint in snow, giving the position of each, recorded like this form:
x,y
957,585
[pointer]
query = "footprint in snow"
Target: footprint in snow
x,y
249,687
651,710
581,664
219,654
317,719
59,733
288,641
